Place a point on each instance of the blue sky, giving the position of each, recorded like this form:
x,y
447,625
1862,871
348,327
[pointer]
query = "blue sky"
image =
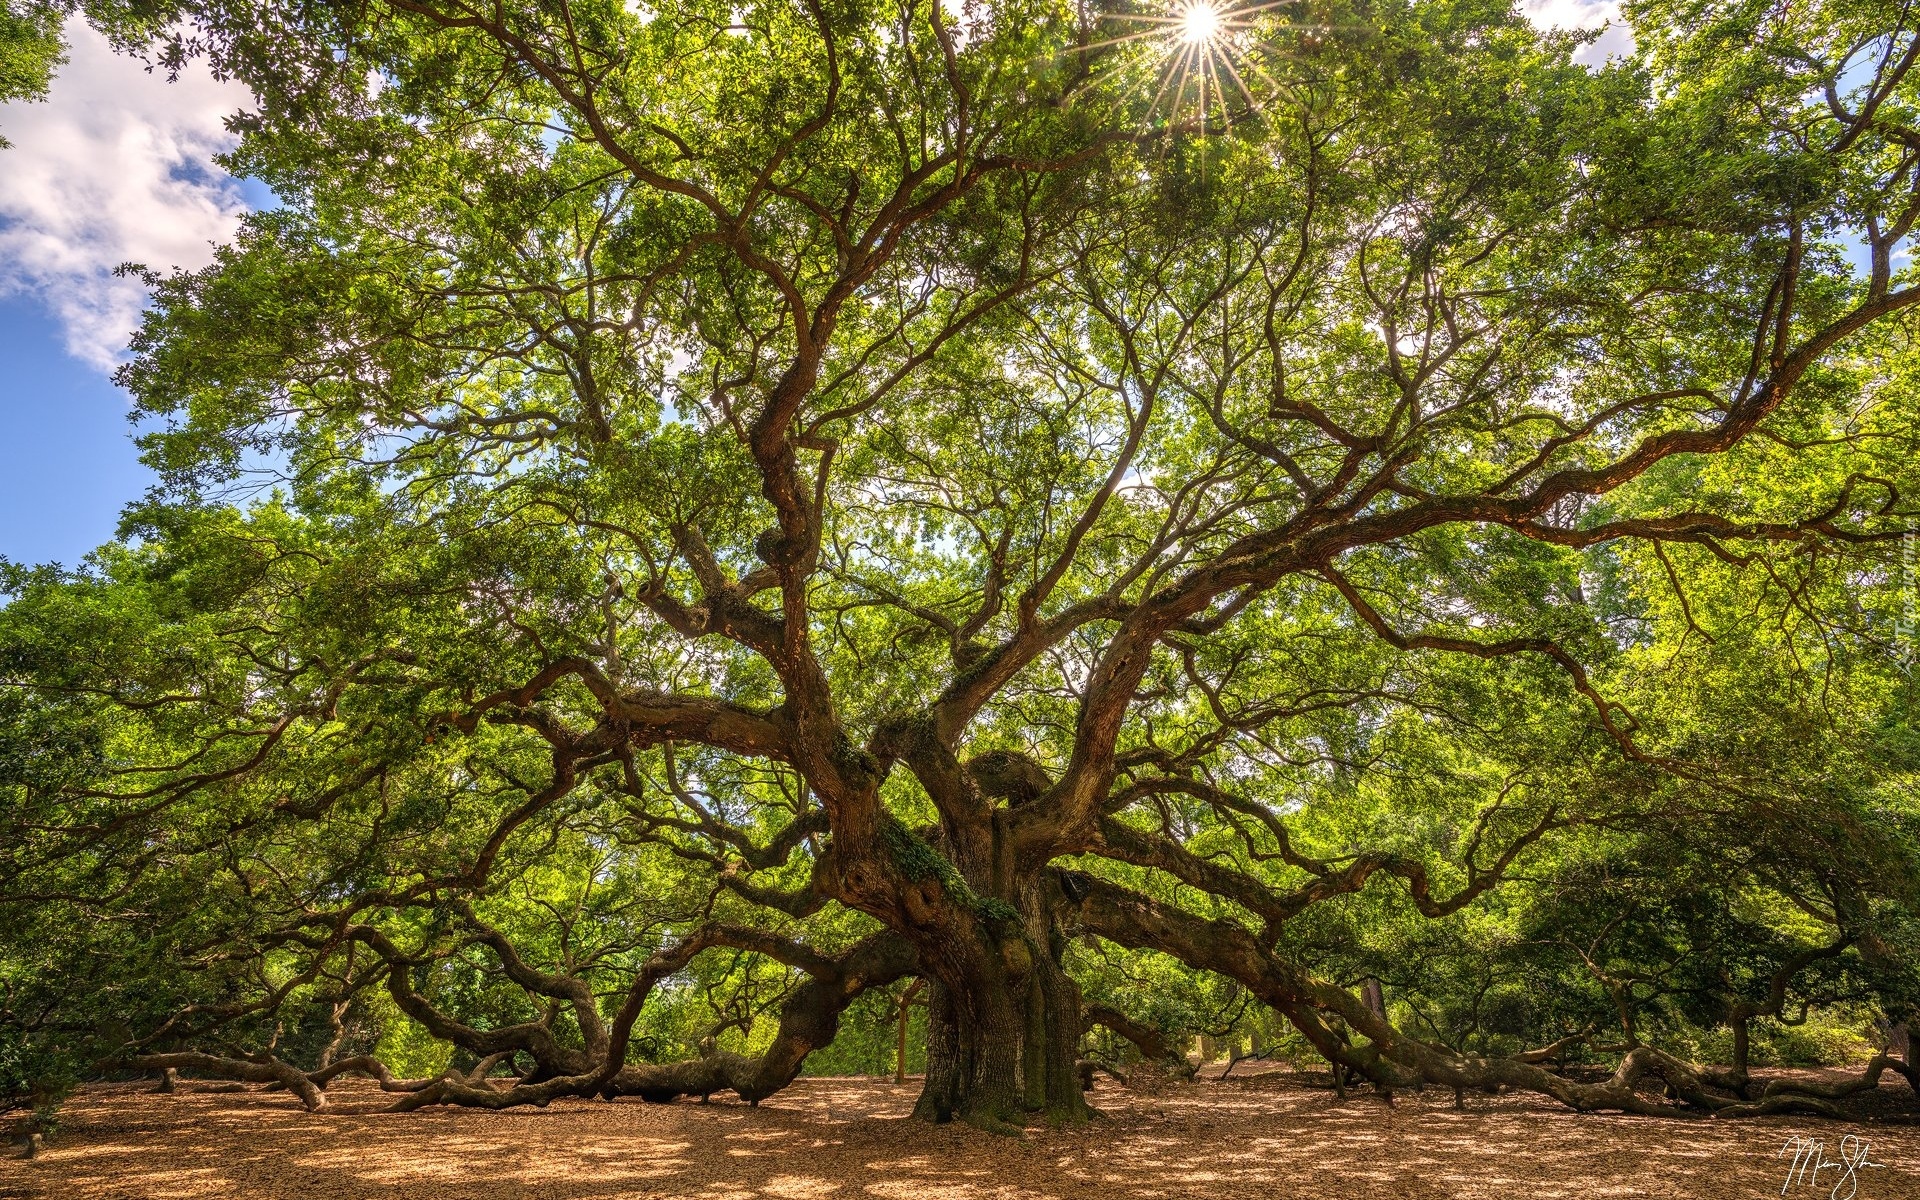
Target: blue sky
x,y
114,167
68,465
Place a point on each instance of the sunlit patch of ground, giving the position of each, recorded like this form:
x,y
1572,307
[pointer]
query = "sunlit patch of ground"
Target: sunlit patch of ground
x,y
1262,1136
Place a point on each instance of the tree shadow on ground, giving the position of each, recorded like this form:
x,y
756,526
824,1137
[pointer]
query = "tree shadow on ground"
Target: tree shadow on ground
x,y
1265,1135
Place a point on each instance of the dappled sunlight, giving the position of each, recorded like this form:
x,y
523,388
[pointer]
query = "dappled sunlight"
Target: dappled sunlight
x,y
1266,1135
799,1187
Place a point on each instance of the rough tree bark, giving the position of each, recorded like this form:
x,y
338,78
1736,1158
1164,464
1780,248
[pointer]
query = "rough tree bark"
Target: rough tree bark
x,y
1004,1020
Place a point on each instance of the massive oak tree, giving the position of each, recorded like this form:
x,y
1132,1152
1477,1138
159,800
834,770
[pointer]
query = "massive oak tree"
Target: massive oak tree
x,y
920,490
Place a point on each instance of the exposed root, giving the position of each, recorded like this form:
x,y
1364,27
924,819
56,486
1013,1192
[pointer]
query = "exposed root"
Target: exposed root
x,y
808,1021
1794,1095
264,1069
1330,1017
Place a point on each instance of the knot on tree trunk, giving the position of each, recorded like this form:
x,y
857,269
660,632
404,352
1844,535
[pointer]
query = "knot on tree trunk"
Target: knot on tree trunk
x,y
1008,775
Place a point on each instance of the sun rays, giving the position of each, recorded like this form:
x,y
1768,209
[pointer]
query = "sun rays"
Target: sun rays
x,y
1212,65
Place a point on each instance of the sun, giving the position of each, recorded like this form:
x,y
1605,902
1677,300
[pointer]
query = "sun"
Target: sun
x,y
1200,23
1213,55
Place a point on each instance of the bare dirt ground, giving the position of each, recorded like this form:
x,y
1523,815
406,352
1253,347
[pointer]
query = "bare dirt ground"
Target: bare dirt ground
x,y
1263,1136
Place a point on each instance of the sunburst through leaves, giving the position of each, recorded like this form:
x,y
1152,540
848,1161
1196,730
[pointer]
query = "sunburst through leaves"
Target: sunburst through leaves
x,y
1212,69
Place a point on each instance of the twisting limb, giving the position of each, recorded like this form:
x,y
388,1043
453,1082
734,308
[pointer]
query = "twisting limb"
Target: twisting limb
x,y
265,1069
1151,1043
1391,1059
808,1021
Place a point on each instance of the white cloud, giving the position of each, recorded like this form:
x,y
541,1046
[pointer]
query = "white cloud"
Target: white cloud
x,y
1615,42
113,167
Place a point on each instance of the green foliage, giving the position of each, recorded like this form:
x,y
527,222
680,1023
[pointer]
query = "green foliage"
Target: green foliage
x,y
30,49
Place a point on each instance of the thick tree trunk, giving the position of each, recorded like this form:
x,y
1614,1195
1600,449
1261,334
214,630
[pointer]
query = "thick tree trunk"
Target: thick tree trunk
x,y
1059,1024
1003,1034
1033,1052
1004,1020
973,1057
